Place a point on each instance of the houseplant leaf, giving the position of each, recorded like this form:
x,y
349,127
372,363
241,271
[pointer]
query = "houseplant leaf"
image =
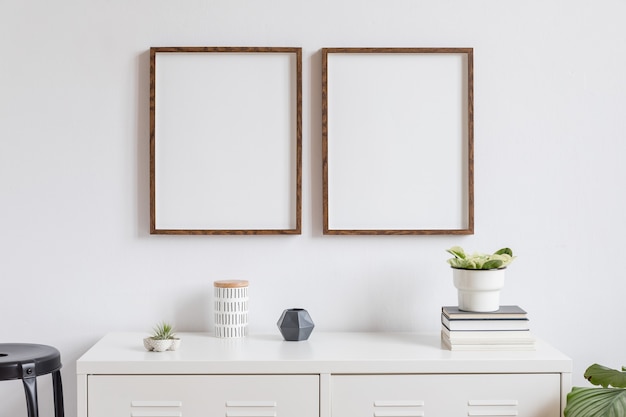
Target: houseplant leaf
x,y
596,402
601,375
492,264
457,251
504,251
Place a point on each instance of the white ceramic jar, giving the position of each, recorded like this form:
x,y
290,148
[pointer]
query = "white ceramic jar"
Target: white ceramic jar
x,y
231,308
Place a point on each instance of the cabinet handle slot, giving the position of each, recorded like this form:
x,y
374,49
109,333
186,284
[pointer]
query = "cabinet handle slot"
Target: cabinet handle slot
x,y
164,408
250,403
243,408
416,403
492,408
398,408
156,403
493,402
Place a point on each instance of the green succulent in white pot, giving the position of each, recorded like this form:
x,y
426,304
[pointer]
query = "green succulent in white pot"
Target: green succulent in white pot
x,y
163,338
607,399
479,277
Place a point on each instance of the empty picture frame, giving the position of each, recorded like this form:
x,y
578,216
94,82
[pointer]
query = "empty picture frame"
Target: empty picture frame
x,y
225,140
397,141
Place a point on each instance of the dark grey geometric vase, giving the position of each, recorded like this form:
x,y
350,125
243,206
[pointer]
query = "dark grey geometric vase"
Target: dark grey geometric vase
x,y
295,324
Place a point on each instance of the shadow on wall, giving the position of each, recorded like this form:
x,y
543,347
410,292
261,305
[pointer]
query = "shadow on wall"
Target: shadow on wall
x,y
394,296
142,103
315,141
194,312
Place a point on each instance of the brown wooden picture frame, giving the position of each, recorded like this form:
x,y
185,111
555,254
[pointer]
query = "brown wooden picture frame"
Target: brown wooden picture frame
x,y
225,140
397,141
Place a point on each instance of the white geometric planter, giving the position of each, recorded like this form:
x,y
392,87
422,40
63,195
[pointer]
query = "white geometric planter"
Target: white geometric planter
x,y
478,290
161,345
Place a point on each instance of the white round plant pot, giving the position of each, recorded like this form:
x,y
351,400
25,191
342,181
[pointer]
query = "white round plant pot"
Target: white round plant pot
x,y
478,290
160,345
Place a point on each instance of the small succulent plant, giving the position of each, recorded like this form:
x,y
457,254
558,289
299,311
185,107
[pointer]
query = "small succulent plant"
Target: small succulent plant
x,y
498,260
163,331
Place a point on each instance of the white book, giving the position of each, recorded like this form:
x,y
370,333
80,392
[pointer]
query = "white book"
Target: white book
x,y
486,347
487,334
524,338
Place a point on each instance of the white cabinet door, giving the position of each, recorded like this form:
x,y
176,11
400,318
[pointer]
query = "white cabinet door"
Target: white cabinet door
x,y
523,395
203,396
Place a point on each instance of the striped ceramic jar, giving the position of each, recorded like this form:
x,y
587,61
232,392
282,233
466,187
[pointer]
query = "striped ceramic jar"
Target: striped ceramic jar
x,y
231,308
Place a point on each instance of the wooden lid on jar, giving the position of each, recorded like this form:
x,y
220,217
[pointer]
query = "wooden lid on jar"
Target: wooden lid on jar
x,y
231,283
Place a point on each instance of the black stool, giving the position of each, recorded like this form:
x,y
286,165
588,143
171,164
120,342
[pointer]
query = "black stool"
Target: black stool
x,y
28,361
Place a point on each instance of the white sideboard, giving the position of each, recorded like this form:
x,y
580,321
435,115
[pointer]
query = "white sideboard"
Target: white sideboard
x,y
329,375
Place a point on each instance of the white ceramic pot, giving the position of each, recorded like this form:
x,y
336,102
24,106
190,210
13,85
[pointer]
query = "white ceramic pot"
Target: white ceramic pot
x,y
158,345
478,290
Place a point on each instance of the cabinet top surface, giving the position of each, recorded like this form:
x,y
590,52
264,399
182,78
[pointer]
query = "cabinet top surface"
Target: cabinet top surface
x,y
333,353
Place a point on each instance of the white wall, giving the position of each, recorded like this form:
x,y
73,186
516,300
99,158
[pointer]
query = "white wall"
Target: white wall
x,y
76,258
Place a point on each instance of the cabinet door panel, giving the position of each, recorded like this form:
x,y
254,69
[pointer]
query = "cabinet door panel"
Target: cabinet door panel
x,y
203,396
524,395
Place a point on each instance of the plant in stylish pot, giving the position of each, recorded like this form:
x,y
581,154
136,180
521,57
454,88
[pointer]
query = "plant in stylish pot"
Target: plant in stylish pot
x,y
479,277
162,339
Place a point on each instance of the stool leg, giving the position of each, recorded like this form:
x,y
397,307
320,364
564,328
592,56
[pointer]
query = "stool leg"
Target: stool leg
x,y
57,387
30,387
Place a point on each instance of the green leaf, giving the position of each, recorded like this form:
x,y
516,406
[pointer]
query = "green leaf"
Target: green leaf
x,y
457,251
470,264
456,263
596,402
506,259
504,251
163,331
601,375
492,264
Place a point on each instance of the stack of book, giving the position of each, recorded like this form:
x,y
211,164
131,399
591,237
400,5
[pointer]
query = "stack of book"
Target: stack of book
x,y
504,329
